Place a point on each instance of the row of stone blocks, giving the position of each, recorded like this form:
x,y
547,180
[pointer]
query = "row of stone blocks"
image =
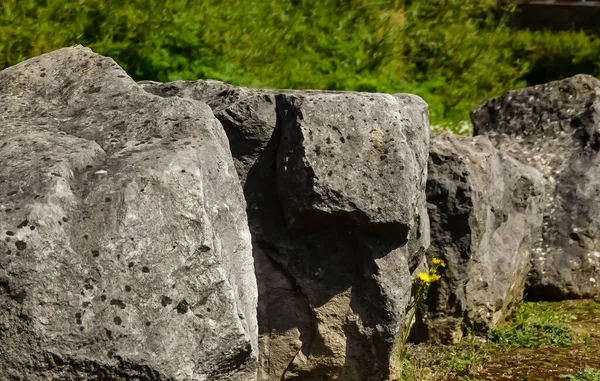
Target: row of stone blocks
x,y
201,231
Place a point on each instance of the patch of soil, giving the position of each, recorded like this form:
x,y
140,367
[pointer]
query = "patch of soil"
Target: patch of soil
x,y
546,363
511,364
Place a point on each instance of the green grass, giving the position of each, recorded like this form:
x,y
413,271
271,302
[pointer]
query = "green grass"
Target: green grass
x,y
588,374
532,325
436,362
461,356
513,350
453,53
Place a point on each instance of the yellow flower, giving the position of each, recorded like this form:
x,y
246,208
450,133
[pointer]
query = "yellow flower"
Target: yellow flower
x,y
439,262
426,278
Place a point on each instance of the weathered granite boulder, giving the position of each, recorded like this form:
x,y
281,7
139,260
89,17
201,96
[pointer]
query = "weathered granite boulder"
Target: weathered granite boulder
x,y
485,215
335,189
125,250
556,128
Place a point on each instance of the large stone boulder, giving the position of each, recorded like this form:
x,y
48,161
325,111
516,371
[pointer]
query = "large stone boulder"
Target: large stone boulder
x,y
485,215
125,251
556,128
335,189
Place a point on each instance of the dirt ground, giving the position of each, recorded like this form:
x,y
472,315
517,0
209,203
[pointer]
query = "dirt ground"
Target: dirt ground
x,y
480,359
547,363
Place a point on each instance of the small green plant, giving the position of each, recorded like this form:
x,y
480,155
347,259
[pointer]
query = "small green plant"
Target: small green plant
x,y
532,325
422,363
420,290
461,356
588,374
480,357
426,362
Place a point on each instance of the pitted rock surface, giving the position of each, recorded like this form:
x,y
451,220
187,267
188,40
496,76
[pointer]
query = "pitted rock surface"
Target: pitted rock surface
x,y
555,128
335,185
125,250
353,156
485,212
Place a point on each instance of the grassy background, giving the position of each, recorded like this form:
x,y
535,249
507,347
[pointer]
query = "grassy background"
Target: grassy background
x,y
453,53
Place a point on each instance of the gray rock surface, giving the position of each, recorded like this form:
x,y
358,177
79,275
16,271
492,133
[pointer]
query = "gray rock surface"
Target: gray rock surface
x,y
335,189
125,250
485,212
555,128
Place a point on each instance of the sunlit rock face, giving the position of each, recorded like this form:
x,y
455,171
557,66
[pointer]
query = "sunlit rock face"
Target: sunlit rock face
x,y
555,128
485,212
125,250
335,186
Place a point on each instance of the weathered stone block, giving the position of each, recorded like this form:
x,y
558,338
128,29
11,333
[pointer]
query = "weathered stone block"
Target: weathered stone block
x,y
555,128
485,212
333,260
125,250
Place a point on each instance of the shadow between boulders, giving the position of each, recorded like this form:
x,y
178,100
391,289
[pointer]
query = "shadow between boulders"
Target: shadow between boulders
x,y
326,257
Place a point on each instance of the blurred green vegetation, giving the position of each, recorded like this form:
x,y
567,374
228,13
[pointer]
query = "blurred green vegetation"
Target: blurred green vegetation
x,y
453,53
